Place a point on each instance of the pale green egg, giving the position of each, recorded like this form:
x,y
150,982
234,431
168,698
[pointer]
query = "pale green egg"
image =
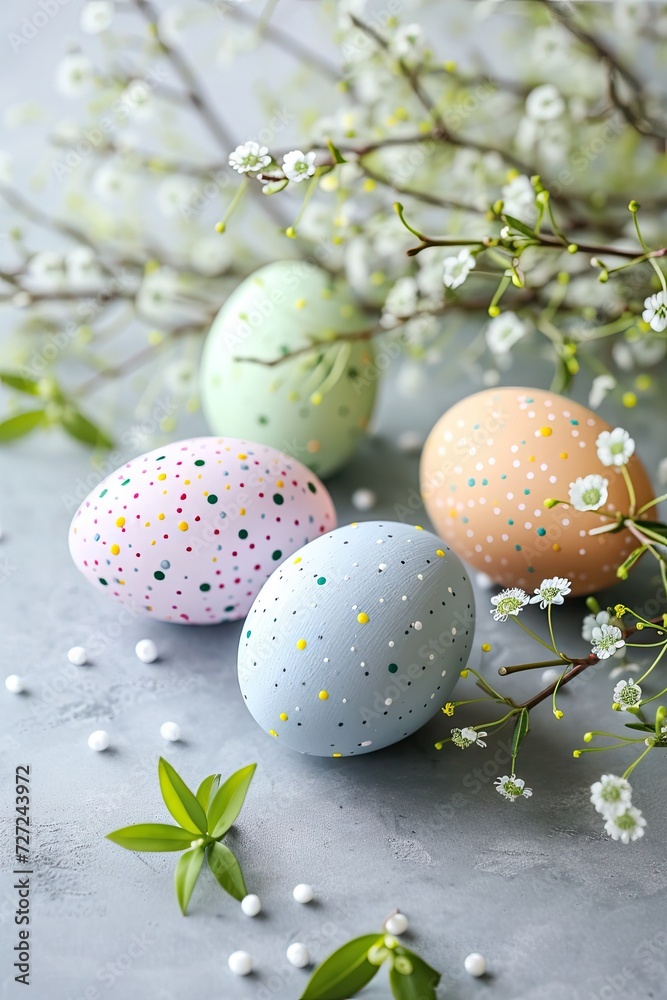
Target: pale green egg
x,y
314,405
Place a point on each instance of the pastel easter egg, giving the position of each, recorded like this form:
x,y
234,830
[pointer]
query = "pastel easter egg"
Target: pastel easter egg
x,y
189,532
315,405
357,639
490,463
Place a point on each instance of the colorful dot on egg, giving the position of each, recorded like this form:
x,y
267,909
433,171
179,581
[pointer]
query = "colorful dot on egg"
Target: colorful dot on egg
x,y
321,580
301,644
363,618
439,552
486,647
183,525
323,695
297,560
162,475
212,498
120,522
283,717
563,454
200,462
336,755
546,432
272,732
542,531
392,668
278,498
115,549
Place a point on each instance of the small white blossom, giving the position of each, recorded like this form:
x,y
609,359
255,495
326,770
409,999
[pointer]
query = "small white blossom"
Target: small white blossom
x,y
83,269
297,166
551,591
606,640
114,183
504,331
600,386
249,157
627,694
588,492
96,16
466,737
590,621
211,255
615,447
627,826
402,298
456,269
46,269
171,24
6,168
137,98
544,103
508,602
655,311
519,199
611,795
512,788
407,42
174,194
74,75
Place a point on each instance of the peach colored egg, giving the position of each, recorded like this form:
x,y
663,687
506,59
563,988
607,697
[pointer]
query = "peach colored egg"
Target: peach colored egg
x,y
490,463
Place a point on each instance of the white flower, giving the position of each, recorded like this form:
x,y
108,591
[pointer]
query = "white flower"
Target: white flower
x,y
615,447
138,99
407,42
504,331
211,255
96,16
551,591
600,386
466,737
47,270
249,157
606,640
611,795
590,621
627,694
655,311
174,193
6,168
627,826
74,75
456,269
297,166
171,24
512,788
544,103
508,602
83,270
588,492
519,199
114,183
401,299
164,297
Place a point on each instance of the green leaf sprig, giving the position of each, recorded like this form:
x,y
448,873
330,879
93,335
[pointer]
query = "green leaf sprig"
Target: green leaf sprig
x,y
204,818
345,972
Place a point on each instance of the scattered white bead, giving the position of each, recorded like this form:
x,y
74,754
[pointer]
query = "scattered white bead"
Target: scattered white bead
x,y
410,441
15,684
484,581
364,499
396,924
170,731
78,656
298,955
146,650
251,905
99,740
240,962
303,893
475,964
550,675
418,626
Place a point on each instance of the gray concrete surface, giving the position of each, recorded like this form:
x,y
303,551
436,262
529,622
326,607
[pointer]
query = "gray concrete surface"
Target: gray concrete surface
x,y
560,912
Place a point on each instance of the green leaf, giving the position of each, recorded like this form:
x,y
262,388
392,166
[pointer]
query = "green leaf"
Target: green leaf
x,y
152,837
28,385
82,429
179,800
21,424
335,152
227,870
520,730
641,726
228,801
344,972
207,790
521,226
660,717
420,984
186,875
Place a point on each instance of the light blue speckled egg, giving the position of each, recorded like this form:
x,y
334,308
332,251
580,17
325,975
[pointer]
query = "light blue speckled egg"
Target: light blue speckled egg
x,y
357,639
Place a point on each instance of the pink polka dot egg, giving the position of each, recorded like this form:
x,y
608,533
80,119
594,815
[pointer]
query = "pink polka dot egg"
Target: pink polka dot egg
x,y
490,463
189,532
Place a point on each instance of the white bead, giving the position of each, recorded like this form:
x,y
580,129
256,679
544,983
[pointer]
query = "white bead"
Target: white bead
x,y
78,656
364,499
15,684
551,675
396,924
99,740
240,962
146,650
170,731
303,893
298,955
475,964
251,905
